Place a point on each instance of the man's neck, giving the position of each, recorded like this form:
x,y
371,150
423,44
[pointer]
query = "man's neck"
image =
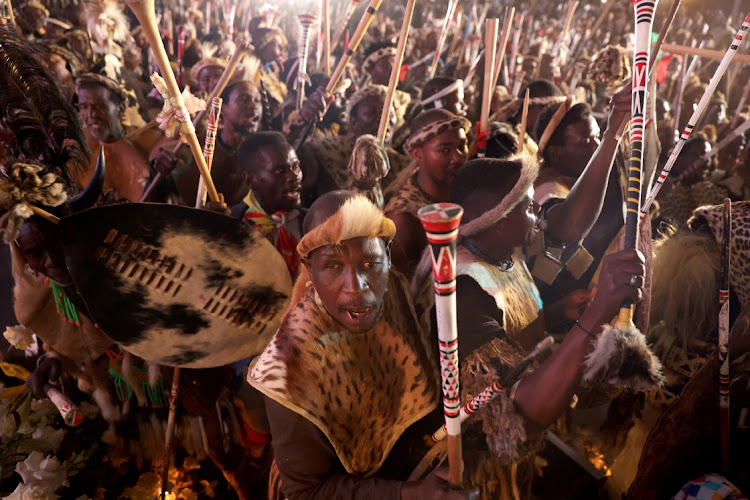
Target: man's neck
x,y
435,191
231,137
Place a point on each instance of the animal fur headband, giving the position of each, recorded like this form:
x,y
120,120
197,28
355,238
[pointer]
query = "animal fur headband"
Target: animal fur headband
x,y
529,172
206,62
358,217
433,129
268,37
513,107
104,81
364,93
458,84
376,56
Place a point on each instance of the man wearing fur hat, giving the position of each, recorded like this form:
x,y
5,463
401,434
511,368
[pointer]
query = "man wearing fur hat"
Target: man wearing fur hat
x,y
206,73
325,160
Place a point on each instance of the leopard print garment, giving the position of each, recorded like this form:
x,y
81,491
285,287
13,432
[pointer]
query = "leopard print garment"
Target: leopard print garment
x,y
409,199
677,206
361,390
739,248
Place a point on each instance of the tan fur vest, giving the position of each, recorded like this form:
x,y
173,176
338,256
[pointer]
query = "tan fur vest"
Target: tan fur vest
x,y
361,390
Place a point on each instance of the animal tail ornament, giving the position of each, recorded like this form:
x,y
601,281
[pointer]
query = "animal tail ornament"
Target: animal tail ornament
x,y
702,105
621,356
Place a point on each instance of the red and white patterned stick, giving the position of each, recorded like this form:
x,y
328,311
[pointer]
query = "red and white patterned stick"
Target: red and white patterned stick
x,y
209,146
306,20
700,108
497,386
440,222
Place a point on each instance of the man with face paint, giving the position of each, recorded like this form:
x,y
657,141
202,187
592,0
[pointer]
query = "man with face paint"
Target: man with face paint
x,y
348,371
438,146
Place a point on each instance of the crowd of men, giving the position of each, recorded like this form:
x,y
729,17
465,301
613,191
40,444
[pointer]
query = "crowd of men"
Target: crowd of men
x,y
341,402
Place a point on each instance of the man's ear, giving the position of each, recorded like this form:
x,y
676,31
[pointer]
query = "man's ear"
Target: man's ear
x,y
307,263
417,155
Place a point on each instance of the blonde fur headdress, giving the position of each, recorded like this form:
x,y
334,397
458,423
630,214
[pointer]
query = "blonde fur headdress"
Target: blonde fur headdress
x,y
107,25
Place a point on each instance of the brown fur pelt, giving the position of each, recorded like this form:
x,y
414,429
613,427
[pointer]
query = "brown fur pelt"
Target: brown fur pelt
x,y
361,390
685,284
611,66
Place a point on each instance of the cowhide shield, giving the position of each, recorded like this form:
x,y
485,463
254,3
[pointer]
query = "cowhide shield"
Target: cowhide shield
x,y
176,285
684,444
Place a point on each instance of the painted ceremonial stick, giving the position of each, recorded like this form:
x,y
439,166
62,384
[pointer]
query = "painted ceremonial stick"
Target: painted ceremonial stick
x,y
553,123
490,46
208,146
524,118
644,18
144,12
507,27
702,105
327,37
180,53
173,393
724,335
740,106
443,35
662,35
395,71
342,27
68,411
306,20
492,390
354,42
239,53
440,222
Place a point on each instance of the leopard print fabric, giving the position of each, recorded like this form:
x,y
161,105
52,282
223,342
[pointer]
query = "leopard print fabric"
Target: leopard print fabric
x,y
409,199
739,247
678,205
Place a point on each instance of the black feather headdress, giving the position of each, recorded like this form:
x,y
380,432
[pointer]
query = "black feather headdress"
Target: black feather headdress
x,y
46,128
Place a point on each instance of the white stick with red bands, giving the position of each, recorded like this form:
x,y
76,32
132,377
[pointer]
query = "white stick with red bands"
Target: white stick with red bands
x,y
209,147
702,105
440,222
496,387
306,20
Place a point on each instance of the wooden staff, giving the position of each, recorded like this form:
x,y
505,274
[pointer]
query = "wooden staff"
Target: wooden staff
x,y
456,35
354,42
350,8
490,46
440,222
602,16
524,118
173,394
209,147
553,123
572,6
208,16
327,37
662,35
693,51
644,18
514,51
724,335
740,106
702,105
306,20
443,35
144,12
239,53
180,53
507,27
496,387
395,71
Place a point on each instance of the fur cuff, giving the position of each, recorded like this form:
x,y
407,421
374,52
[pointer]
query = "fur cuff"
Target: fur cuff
x,y
622,358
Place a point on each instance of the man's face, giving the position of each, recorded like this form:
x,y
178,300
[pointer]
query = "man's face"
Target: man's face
x,y
365,117
276,178
243,109
521,224
686,163
41,247
581,140
453,102
443,155
100,113
381,72
209,77
351,279
275,50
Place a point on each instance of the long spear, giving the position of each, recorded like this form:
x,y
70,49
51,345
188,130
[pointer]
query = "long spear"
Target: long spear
x,y
507,27
441,221
344,22
696,114
724,336
490,47
395,71
443,35
662,35
354,42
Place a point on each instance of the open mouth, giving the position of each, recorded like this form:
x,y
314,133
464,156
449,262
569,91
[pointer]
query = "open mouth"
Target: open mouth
x,y
358,313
